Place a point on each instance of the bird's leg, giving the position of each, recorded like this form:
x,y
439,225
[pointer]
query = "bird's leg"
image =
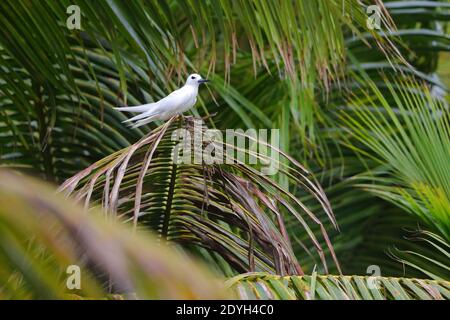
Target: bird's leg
x,y
186,117
188,120
185,120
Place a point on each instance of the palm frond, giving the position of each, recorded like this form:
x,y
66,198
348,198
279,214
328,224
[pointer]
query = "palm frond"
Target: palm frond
x,y
410,136
230,208
328,287
433,266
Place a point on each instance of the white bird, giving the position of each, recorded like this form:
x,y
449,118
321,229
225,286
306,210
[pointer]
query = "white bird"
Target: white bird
x,y
175,103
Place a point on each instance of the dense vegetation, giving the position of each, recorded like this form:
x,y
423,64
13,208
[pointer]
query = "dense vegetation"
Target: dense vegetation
x,y
364,179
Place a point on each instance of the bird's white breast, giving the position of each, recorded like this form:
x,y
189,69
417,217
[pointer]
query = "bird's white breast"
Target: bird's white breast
x,y
188,98
178,101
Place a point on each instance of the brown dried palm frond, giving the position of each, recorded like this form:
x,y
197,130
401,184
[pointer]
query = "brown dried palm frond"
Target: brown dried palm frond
x,y
232,209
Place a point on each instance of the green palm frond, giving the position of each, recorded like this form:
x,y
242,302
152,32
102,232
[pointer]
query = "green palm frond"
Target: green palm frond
x,y
329,287
58,130
305,39
433,262
290,65
409,134
370,227
129,52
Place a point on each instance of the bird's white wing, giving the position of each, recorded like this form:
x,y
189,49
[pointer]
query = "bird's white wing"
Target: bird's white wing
x,y
153,111
176,93
157,108
150,106
145,121
141,108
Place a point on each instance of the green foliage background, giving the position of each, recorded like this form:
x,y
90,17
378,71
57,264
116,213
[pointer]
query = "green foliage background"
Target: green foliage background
x,y
366,112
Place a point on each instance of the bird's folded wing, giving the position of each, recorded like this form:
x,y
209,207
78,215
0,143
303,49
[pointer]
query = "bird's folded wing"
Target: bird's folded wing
x,y
141,108
175,93
145,121
151,106
150,113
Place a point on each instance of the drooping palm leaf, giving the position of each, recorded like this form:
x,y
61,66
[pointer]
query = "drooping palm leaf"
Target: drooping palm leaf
x,y
128,52
434,262
305,39
230,208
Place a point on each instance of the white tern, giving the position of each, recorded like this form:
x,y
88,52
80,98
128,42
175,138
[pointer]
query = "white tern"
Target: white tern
x,y
175,103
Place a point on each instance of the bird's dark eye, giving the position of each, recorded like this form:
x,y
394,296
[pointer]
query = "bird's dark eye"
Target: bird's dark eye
x,y
192,77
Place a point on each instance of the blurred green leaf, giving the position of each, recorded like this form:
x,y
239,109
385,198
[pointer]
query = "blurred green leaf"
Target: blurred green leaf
x,y
43,233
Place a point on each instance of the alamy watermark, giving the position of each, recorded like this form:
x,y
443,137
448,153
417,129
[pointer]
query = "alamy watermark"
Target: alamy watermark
x,y
373,282
374,17
73,281
74,20
199,145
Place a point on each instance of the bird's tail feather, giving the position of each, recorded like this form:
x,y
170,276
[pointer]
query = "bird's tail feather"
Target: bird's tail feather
x,y
142,116
141,108
144,121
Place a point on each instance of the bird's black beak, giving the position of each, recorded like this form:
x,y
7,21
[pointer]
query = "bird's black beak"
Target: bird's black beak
x,y
203,81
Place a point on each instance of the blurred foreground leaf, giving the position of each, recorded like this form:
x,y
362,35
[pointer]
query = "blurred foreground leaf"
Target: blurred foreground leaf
x,y
41,234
